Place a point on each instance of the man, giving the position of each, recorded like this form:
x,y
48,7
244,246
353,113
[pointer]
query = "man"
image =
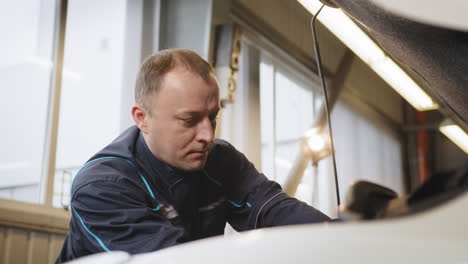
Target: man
x,y
167,180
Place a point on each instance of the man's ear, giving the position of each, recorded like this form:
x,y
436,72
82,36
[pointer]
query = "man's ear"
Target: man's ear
x,y
140,116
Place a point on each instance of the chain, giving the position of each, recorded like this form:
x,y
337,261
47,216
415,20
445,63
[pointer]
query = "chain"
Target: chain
x,y
233,69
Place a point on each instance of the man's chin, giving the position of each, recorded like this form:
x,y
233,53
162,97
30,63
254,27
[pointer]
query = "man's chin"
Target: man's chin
x,y
194,165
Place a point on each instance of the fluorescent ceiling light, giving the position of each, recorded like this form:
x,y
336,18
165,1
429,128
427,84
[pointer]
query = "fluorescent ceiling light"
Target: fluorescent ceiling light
x,y
455,134
366,49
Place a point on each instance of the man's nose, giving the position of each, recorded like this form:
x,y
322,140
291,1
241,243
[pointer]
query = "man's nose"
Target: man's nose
x,y
206,131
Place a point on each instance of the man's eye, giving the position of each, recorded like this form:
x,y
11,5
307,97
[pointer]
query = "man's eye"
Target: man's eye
x,y
188,121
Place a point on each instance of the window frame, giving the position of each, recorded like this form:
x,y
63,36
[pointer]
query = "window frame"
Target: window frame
x,y
286,64
137,13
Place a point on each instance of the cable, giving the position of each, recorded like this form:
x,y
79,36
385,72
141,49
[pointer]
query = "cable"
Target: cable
x,y
319,69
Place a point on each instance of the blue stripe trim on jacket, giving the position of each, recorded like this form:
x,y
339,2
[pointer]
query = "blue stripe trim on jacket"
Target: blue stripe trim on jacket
x,y
147,185
239,205
89,231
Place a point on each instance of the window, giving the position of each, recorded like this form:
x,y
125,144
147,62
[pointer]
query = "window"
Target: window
x,y
27,30
92,86
287,102
366,147
102,52
276,101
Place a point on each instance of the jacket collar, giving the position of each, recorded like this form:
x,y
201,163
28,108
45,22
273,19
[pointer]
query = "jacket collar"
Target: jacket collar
x,y
160,170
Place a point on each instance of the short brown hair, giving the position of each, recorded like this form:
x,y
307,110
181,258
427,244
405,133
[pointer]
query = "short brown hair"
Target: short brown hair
x,y
154,67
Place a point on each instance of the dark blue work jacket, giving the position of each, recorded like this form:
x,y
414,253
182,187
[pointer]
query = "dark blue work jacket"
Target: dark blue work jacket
x,y
124,198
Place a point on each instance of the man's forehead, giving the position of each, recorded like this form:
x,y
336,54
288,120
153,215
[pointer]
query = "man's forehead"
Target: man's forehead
x,y
181,87
194,111
183,78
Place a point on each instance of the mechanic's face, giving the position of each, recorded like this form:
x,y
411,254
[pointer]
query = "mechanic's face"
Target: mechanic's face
x,y
180,130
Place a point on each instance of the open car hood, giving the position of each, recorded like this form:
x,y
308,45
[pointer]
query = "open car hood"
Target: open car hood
x,y
438,55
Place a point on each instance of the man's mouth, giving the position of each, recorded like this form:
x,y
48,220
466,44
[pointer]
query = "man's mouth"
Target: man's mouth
x,y
198,153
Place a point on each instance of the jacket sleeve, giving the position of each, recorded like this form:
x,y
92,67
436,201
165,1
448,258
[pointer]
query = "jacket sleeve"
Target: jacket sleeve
x,y
255,201
117,215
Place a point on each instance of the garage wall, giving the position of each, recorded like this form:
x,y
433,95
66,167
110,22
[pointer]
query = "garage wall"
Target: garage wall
x,y
29,247
31,233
